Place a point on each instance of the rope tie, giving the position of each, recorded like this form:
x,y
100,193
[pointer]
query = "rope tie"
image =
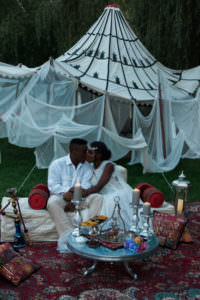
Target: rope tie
x,y
169,185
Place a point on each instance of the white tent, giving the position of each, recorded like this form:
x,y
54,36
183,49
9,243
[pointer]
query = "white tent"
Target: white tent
x,y
12,81
42,108
110,58
45,116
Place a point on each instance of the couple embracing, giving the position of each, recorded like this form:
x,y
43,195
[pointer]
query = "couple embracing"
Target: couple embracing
x,y
100,182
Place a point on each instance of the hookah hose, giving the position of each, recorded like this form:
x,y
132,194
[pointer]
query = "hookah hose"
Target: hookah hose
x,y
4,213
2,210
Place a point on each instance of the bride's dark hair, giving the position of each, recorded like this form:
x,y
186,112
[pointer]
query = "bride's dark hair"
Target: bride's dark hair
x,y
101,148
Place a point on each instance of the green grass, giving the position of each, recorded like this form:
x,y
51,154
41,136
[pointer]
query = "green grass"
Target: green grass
x,y
17,163
14,168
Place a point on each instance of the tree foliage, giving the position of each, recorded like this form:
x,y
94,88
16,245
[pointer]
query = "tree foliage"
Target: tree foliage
x,y
169,29
32,31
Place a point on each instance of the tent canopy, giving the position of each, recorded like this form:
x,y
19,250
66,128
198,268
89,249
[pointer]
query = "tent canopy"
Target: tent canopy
x,y
39,107
111,58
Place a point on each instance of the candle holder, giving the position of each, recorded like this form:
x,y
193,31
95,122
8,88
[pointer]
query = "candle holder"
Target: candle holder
x,y
77,218
151,230
145,232
135,218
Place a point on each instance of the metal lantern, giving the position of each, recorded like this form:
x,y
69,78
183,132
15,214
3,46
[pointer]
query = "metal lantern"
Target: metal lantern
x,y
181,186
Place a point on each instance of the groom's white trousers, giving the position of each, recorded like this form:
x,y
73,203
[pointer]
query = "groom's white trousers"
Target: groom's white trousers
x,y
63,220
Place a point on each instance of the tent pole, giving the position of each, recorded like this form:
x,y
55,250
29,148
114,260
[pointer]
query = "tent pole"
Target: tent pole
x,y
162,122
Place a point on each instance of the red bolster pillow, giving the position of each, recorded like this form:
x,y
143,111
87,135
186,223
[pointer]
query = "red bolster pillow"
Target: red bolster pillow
x,y
142,187
38,196
153,196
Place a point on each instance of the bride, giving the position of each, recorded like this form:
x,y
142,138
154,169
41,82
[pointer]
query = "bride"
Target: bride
x,y
109,182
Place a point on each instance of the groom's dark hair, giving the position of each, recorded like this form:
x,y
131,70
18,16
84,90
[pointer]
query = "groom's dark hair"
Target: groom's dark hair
x,y
76,142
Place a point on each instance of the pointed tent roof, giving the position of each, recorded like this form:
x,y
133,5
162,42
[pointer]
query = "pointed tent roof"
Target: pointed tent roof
x,y
110,57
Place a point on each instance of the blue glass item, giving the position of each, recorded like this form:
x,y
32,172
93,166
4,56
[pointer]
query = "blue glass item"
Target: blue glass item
x,y
131,246
19,240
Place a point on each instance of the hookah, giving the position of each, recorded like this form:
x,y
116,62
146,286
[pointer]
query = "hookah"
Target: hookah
x,y
19,239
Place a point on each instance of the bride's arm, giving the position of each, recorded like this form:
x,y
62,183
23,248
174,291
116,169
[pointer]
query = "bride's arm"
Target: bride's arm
x,y
103,180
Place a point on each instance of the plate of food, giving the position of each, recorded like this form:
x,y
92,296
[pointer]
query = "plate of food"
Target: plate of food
x,y
92,224
94,221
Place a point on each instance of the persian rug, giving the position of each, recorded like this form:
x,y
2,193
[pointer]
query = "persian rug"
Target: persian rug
x,y
167,274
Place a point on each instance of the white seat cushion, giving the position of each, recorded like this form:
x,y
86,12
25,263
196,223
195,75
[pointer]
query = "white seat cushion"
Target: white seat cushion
x,y
38,222
40,225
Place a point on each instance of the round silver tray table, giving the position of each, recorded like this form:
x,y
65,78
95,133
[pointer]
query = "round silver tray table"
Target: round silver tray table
x,y
105,254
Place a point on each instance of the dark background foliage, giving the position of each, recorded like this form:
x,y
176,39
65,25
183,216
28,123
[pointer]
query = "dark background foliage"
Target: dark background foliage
x,y
32,31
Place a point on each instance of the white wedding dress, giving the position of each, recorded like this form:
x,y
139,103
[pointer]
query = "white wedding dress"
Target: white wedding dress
x,y
115,187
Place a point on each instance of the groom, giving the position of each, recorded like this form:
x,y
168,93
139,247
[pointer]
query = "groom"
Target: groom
x,y
63,173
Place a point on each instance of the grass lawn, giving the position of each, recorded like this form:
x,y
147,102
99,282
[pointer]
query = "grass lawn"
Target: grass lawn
x,y
17,163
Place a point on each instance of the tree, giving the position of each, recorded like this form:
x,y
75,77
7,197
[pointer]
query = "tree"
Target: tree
x,y
169,29
32,31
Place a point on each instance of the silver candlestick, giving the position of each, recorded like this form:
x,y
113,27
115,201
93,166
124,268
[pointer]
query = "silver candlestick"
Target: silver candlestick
x,y
135,218
145,232
77,218
151,230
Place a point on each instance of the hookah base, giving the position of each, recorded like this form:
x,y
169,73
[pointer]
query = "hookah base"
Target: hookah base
x,y
19,245
19,242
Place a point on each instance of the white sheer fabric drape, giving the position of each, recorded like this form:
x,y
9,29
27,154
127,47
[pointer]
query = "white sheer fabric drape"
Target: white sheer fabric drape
x,y
181,129
39,109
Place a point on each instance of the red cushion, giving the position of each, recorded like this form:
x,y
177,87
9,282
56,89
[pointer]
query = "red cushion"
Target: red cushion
x,y
42,187
168,229
154,197
142,187
13,266
38,196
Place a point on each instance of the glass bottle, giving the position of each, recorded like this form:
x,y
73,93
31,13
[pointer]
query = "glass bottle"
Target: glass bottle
x,y
113,229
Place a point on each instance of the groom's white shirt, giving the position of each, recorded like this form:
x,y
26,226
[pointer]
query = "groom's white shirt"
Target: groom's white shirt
x,y
62,175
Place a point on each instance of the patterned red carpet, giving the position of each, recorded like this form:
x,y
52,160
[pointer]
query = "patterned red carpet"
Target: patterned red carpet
x,y
168,274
